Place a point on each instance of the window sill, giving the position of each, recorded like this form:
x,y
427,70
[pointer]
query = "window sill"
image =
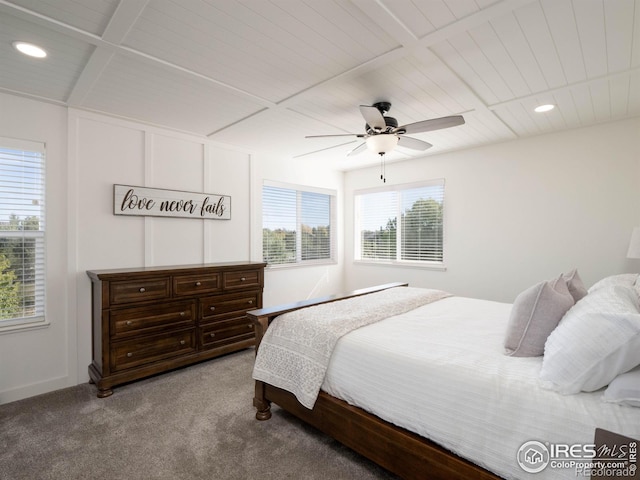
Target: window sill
x,y
285,266
421,265
24,326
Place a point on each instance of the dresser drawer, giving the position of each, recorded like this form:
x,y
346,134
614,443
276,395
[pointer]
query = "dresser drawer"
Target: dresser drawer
x,y
223,306
196,284
242,279
139,290
212,336
133,353
152,318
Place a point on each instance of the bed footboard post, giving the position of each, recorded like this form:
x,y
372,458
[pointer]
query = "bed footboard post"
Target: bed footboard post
x,y
263,406
260,325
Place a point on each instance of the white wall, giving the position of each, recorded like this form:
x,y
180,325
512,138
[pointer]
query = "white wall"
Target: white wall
x,y
106,151
86,155
290,284
42,359
521,212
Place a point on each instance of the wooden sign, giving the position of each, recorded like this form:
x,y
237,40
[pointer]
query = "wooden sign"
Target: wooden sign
x,y
157,202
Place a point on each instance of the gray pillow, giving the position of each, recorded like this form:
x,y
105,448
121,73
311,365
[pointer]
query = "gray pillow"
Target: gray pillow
x,y
535,314
575,284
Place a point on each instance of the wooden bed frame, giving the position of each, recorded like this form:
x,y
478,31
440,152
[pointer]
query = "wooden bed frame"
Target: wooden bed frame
x,y
402,452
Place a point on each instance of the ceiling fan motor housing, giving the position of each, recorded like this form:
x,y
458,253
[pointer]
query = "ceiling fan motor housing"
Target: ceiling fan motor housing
x,y
384,107
390,122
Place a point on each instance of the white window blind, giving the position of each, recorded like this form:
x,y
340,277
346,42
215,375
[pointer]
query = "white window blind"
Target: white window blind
x,y
402,223
378,225
297,224
22,232
421,234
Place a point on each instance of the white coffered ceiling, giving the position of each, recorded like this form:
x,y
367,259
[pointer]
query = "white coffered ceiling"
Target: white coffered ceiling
x,y
262,74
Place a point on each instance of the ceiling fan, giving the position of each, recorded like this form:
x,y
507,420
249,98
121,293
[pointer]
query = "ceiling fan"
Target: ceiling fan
x,y
382,133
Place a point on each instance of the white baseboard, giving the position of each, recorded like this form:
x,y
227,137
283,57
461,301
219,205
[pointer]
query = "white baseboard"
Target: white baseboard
x,y
26,391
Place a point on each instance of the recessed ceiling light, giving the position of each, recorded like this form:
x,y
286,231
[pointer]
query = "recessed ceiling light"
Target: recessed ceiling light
x,y
544,108
30,49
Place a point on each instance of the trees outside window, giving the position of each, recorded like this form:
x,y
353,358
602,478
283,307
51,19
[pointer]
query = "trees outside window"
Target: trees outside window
x,y
297,225
401,223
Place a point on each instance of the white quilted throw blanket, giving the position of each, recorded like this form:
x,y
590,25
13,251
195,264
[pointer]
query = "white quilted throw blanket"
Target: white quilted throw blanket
x,y
295,351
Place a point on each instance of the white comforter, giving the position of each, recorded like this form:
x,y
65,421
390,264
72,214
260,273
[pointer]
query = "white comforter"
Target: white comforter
x,y
295,351
439,371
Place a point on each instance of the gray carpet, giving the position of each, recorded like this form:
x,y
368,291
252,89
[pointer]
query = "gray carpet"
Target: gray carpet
x,y
193,423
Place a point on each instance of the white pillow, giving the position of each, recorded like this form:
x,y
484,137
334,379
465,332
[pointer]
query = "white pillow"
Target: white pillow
x,y
598,339
627,279
624,389
636,285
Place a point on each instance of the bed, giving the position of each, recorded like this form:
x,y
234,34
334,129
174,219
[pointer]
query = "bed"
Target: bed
x,y
428,392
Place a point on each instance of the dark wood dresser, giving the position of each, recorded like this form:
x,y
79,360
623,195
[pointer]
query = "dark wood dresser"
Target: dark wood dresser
x,y
150,320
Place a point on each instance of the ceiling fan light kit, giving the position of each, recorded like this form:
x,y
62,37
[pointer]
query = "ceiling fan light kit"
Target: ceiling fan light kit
x,y
382,133
382,143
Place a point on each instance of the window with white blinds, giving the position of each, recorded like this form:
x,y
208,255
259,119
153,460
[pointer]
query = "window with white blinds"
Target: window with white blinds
x,y
402,223
22,232
297,224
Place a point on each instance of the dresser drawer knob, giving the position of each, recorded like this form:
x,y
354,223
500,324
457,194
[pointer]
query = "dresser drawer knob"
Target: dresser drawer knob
x,y
243,279
198,284
249,327
212,308
129,354
182,342
212,335
182,314
142,289
250,302
129,322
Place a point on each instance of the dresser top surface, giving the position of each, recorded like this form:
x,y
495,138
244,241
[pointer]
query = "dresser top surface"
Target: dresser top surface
x,y
106,274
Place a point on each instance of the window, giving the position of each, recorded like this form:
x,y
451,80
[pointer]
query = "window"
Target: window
x,y
297,224
22,230
403,223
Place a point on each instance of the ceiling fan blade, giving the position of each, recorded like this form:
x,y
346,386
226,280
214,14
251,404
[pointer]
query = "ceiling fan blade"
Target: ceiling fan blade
x,y
413,143
359,135
373,117
359,149
432,124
